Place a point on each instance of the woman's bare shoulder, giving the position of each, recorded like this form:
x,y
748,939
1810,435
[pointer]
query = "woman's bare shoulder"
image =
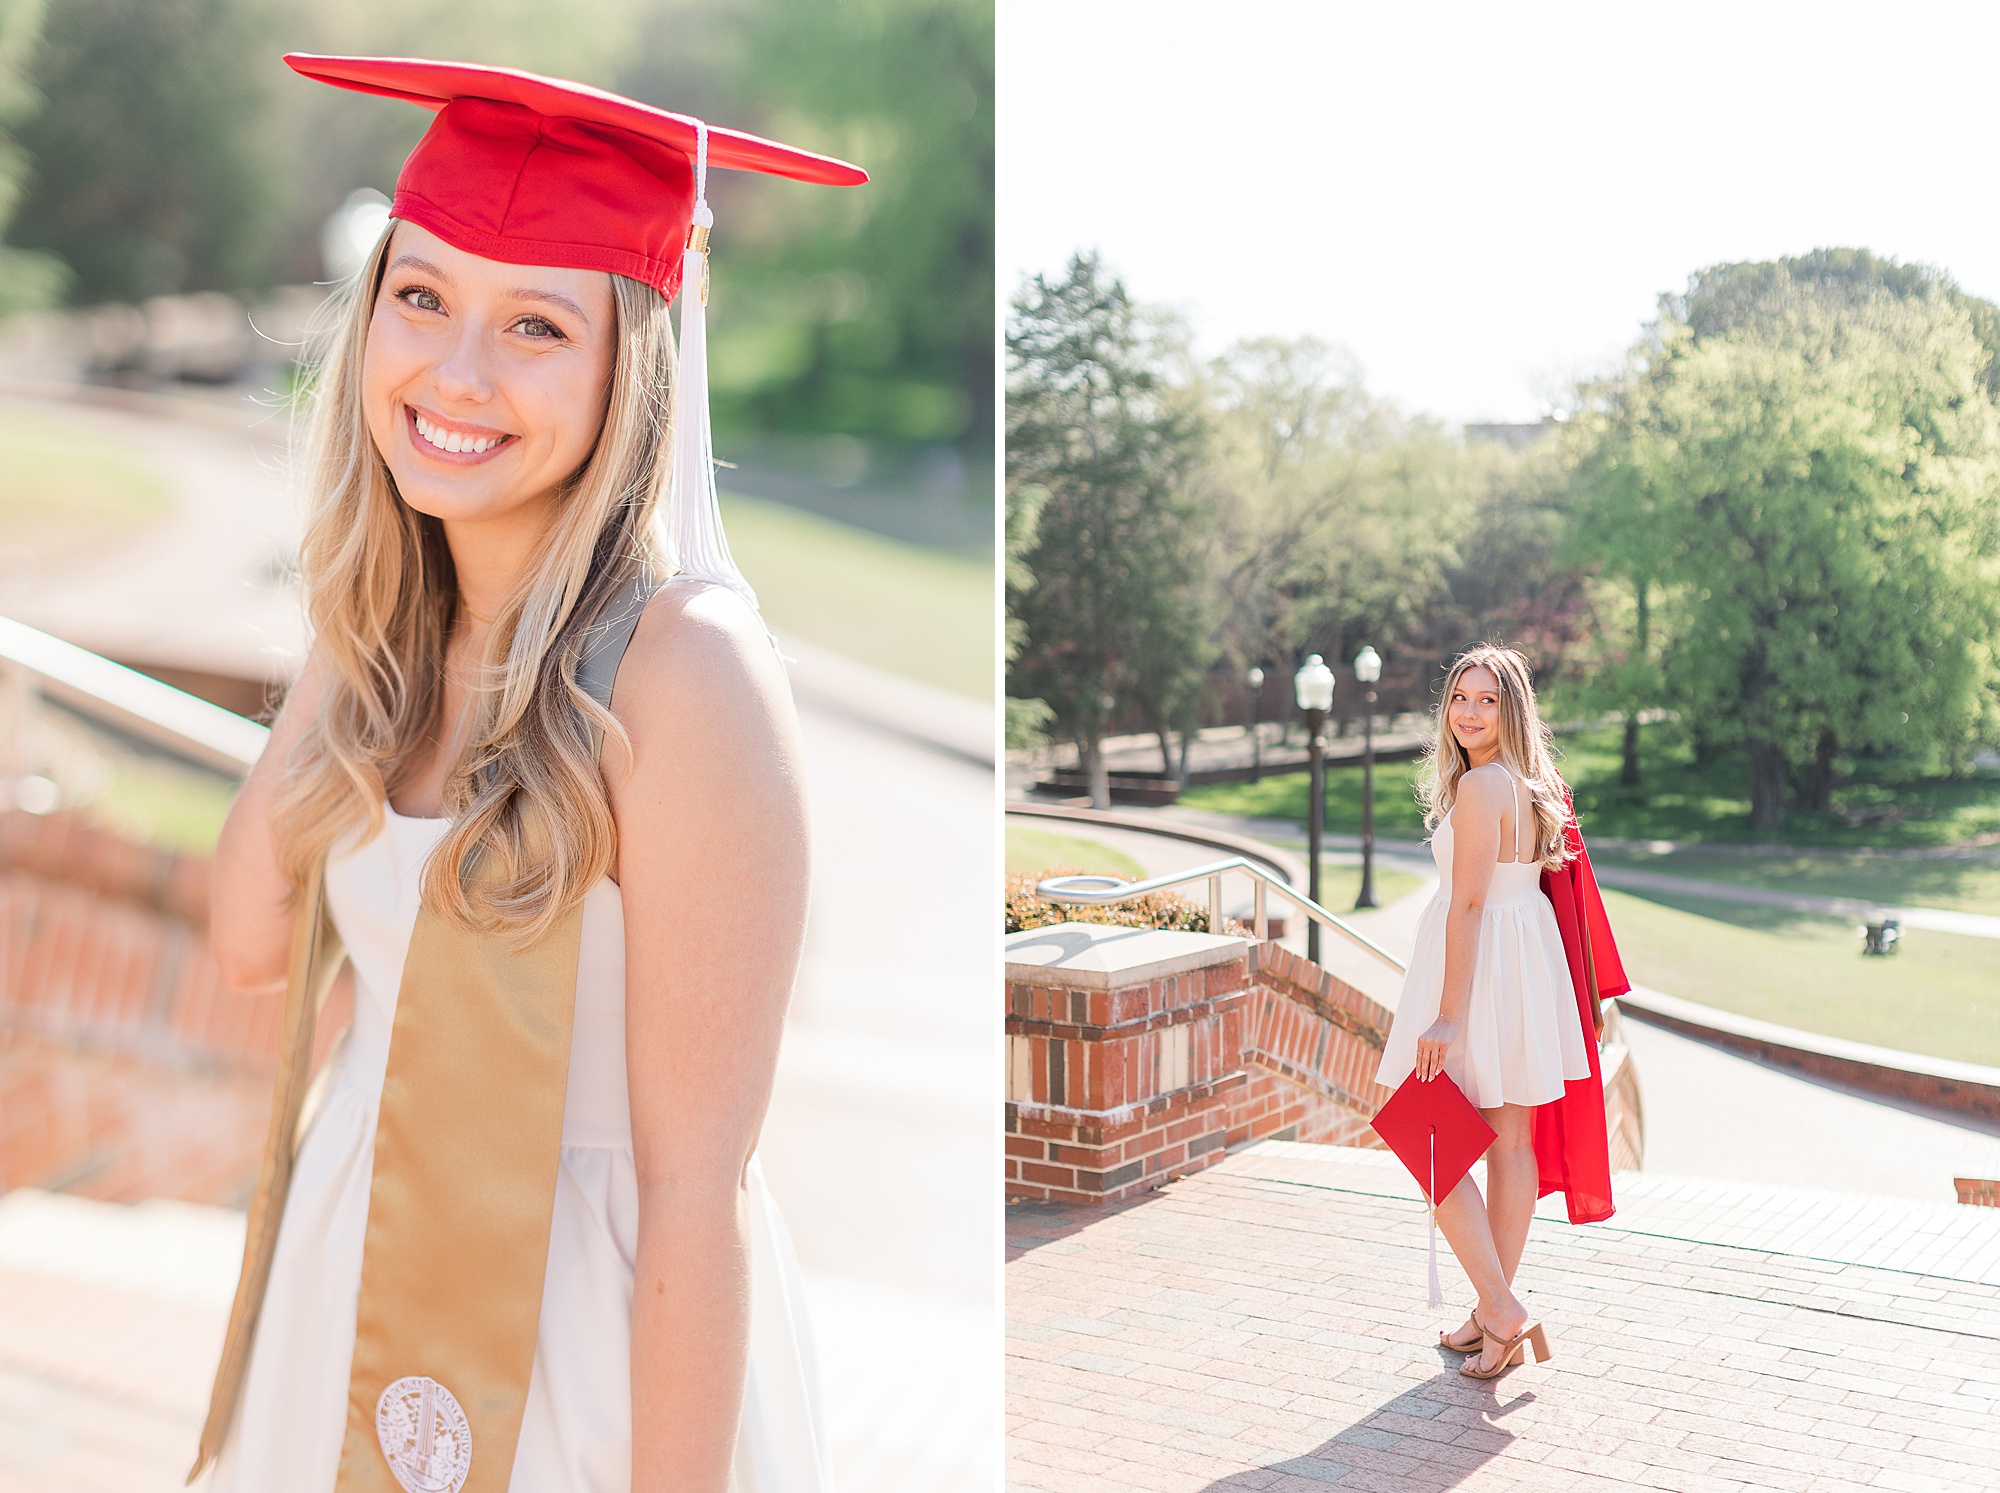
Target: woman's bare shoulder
x,y
701,668
1486,786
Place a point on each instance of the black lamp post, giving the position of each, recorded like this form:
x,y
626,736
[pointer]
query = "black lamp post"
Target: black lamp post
x,y
1313,685
1368,669
1255,679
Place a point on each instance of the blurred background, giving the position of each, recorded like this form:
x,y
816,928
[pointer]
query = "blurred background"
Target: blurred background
x,y
174,202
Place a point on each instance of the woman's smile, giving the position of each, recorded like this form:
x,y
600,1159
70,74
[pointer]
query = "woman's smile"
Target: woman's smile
x,y
485,382
1474,709
453,441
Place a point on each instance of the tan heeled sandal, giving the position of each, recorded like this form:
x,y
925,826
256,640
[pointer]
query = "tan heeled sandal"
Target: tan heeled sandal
x,y
1445,1342
1513,1350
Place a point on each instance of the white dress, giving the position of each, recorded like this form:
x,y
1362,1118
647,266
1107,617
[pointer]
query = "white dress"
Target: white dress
x,y
576,1435
1522,1036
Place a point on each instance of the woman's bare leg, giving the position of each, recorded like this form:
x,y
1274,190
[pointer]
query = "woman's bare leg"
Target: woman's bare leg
x,y
1511,1180
1462,1217
1488,1234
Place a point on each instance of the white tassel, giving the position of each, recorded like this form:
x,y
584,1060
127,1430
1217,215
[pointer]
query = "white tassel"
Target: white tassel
x,y
694,516
1437,1294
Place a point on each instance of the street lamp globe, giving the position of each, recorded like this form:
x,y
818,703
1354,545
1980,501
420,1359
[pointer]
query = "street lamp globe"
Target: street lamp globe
x,y
1367,665
1255,679
1314,684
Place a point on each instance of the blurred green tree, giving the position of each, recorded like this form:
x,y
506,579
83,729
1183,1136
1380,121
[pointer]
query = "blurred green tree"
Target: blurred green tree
x,y
151,172
874,313
1120,605
28,281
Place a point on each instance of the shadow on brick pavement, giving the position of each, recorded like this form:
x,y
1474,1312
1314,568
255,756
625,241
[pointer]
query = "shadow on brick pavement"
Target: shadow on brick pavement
x,y
1238,1331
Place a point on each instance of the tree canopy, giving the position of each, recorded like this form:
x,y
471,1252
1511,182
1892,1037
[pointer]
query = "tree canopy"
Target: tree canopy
x,y
1119,603
1805,465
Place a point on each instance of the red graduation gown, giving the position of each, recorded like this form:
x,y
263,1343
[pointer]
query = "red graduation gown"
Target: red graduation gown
x,y
1572,1149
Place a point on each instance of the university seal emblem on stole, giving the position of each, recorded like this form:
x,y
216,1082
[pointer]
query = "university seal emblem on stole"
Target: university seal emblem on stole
x,y
424,1436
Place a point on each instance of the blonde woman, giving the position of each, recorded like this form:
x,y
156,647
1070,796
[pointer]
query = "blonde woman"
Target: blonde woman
x,y
1488,1001
540,714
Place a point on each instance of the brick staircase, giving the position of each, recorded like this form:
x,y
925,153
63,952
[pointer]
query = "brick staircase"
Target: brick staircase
x,y
127,1069
1262,1325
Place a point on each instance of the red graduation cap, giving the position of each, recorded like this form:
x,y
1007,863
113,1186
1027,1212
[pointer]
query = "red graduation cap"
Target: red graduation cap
x,y
532,170
1435,1131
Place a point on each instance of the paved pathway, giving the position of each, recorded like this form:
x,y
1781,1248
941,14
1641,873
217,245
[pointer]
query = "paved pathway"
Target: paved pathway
x,y
1229,748
204,587
1261,1325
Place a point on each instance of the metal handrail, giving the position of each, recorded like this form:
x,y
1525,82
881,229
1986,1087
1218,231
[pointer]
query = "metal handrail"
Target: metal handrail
x,y
1102,891
156,713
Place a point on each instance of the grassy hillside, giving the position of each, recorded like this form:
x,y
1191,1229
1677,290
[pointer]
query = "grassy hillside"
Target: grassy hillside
x,y
1940,994
901,607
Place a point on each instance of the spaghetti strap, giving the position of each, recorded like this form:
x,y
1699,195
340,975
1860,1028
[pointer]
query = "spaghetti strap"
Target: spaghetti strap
x,y
605,644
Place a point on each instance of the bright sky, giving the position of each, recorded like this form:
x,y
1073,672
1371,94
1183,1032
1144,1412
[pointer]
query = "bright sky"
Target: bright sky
x,y
1479,200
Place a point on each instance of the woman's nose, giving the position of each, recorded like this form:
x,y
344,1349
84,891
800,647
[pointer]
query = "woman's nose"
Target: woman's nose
x,y
465,371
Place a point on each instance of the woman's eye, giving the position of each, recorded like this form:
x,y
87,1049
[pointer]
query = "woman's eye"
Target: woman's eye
x,y
422,299
535,326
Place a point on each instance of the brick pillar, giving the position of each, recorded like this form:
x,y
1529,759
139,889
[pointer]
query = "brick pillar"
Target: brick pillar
x,y
1121,1045
1134,1056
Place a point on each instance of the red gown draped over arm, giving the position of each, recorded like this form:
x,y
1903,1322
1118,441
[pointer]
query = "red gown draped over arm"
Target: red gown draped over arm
x,y
1572,1149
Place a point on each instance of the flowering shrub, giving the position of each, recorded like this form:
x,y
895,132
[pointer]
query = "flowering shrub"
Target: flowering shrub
x,y
1155,910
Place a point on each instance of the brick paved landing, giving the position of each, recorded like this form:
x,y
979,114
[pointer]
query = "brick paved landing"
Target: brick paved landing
x,y
1261,1325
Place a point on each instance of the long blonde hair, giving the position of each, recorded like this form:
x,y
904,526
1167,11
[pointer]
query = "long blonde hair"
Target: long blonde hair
x,y
1526,750
531,830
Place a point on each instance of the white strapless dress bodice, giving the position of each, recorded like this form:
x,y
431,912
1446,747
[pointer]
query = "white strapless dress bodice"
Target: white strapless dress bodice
x,y
1522,1037
576,1435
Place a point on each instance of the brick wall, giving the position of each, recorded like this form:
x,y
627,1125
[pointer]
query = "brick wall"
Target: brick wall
x,y
104,946
128,1069
1979,1191
1115,1089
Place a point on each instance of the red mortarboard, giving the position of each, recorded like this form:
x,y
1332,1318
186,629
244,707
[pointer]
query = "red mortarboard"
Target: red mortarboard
x,y
1435,1131
1418,1112
532,170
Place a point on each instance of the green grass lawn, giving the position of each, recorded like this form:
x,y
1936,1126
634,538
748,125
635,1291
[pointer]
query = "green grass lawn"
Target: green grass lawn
x,y
1969,882
63,483
1031,850
1940,994
171,805
1288,796
914,611
1676,800
1340,884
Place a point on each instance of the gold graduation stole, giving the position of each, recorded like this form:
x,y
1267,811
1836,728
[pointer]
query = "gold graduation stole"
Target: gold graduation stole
x,y
468,1139
316,957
